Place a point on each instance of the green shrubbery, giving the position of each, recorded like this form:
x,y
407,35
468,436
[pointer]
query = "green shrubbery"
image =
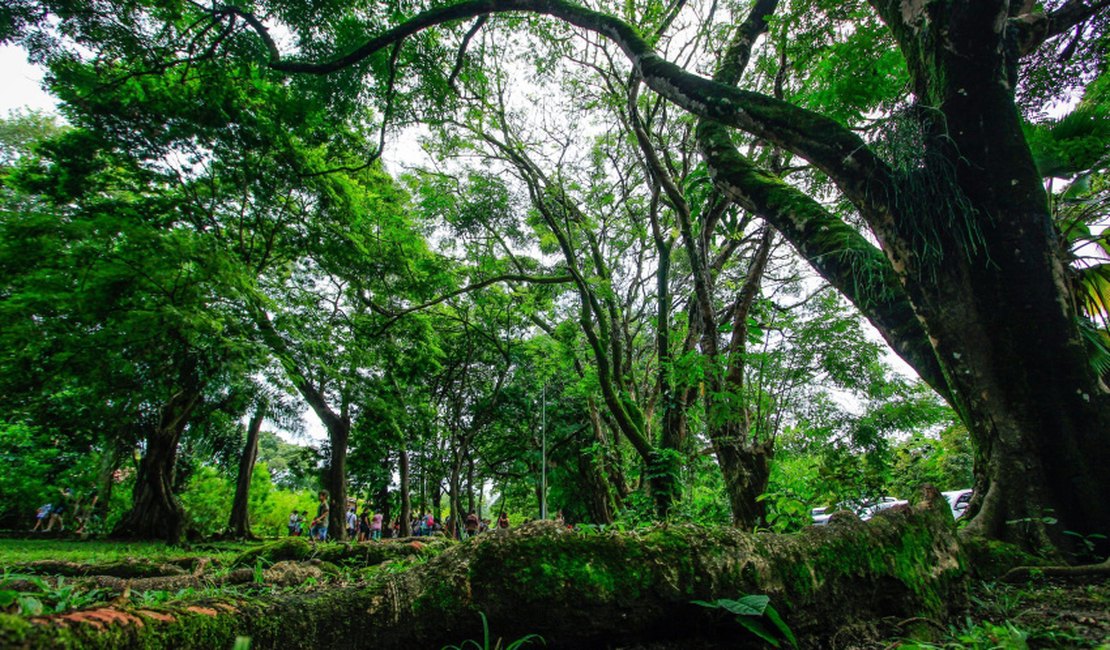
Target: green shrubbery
x,y
207,501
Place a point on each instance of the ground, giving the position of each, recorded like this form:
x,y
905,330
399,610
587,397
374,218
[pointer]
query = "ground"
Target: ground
x,y
1039,613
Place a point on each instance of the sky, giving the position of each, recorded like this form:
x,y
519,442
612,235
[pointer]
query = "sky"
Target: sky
x,y
21,83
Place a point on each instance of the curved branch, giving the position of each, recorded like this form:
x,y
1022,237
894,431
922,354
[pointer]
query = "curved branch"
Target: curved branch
x,y
842,256
474,286
834,149
1036,28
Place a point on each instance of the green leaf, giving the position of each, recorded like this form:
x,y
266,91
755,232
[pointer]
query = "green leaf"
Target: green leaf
x,y
755,627
773,616
7,597
752,605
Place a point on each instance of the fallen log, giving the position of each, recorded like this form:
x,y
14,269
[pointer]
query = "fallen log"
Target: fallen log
x,y
607,590
360,554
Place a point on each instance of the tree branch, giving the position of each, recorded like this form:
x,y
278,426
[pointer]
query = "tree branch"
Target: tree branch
x,y
393,317
834,149
1036,28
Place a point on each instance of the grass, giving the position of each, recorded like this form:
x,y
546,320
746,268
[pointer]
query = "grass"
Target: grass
x,y
22,551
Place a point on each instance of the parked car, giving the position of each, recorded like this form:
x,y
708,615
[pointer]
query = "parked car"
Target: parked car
x,y
958,501
863,509
870,509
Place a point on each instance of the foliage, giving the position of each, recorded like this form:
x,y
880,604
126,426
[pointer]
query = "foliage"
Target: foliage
x,y
32,595
749,611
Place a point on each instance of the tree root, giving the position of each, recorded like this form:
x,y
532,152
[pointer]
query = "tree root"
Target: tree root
x,y
1025,573
122,569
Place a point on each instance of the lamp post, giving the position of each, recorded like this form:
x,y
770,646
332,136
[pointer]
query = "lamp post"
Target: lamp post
x,y
543,455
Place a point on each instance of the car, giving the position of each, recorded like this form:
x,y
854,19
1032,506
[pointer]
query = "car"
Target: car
x,y
958,500
863,509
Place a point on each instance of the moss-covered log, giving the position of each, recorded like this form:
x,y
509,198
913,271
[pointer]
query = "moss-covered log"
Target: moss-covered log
x,y
343,554
576,590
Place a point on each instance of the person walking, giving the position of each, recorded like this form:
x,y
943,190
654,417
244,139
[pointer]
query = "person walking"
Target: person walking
x,y
376,527
318,531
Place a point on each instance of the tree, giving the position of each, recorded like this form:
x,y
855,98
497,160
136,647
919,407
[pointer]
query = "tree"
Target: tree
x,y
966,282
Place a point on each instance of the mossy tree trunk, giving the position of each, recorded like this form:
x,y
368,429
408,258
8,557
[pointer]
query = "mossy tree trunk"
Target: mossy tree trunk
x,y
155,511
578,591
992,288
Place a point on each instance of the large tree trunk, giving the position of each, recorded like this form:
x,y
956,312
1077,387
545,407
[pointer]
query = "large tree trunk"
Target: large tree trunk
x,y
239,523
995,298
335,478
155,511
584,591
597,496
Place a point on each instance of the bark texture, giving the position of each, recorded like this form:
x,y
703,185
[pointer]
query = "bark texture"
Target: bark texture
x,y
576,590
155,511
239,523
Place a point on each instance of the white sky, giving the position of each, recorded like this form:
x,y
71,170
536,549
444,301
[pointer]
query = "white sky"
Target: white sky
x,y
21,83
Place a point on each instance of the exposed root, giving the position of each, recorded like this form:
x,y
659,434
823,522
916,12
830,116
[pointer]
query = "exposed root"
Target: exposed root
x,y
1024,573
123,569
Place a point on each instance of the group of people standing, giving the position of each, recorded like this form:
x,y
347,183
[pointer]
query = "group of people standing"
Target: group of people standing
x,y
368,525
364,527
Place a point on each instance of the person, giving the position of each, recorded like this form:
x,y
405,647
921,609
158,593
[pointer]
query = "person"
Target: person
x,y
471,524
302,523
294,523
318,531
376,527
42,514
364,525
503,521
86,513
57,513
352,522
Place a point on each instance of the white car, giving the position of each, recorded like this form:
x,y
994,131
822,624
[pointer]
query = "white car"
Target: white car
x,y
863,509
958,501
871,508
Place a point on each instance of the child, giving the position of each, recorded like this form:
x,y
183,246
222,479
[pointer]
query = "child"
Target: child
x,y
294,524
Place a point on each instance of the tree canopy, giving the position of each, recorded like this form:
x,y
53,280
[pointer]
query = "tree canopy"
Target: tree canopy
x,y
665,221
